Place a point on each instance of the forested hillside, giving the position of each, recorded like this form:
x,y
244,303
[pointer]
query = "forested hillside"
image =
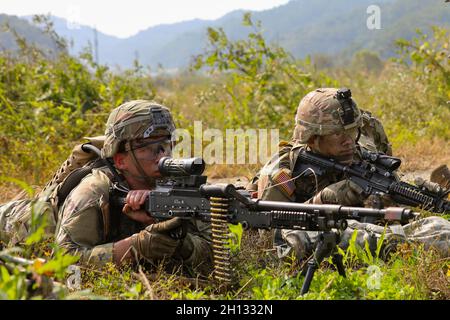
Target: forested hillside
x,y
337,29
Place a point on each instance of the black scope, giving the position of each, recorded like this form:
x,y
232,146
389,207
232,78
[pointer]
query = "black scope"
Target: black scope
x,y
171,167
388,162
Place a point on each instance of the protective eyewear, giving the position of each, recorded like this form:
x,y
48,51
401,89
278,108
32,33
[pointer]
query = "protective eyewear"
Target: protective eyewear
x,y
151,149
349,133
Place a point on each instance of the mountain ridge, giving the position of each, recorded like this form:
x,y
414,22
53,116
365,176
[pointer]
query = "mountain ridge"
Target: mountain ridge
x,y
302,27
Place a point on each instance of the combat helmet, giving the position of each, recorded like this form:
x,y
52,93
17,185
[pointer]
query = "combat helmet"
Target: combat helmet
x,y
326,111
137,119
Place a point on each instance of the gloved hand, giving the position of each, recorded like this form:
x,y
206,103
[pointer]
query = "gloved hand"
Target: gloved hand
x,y
154,242
185,249
344,192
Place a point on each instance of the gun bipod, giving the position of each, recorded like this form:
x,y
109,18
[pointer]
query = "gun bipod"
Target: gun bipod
x,y
326,246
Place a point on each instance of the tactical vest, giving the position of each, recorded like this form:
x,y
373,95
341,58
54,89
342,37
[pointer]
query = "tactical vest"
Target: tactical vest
x,y
16,215
77,166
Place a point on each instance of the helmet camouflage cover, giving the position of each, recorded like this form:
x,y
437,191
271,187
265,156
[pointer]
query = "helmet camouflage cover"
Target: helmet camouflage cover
x,y
326,111
137,119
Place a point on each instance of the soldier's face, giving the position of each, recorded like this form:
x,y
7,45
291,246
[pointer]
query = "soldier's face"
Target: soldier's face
x,y
340,146
148,152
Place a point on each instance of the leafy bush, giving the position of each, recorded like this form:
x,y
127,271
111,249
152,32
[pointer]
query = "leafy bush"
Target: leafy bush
x,y
263,83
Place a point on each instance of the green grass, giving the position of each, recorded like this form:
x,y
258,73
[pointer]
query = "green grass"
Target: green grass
x,y
47,106
412,273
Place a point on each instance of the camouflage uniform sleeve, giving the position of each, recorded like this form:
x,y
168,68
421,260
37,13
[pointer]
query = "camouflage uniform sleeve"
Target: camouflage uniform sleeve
x,y
275,181
432,232
275,184
80,227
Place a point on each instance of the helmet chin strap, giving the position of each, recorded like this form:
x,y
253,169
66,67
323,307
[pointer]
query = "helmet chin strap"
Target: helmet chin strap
x,y
359,136
151,182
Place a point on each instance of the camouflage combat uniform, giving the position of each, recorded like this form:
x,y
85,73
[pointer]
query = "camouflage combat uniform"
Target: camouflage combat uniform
x,y
275,184
84,221
283,178
373,137
87,226
16,216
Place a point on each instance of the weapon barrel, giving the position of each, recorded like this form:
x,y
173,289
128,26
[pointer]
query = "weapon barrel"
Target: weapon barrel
x,y
391,213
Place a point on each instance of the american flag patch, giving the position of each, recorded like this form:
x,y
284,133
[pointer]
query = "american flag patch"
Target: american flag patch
x,y
282,180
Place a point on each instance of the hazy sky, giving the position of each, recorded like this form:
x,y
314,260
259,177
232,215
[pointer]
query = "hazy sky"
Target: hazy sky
x,y
127,17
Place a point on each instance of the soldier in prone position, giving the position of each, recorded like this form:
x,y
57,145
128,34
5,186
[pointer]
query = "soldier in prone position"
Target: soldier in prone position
x,y
329,123
138,134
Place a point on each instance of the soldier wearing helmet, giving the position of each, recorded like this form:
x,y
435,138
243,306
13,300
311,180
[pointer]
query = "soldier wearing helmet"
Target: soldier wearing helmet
x,y
77,206
328,122
85,222
138,133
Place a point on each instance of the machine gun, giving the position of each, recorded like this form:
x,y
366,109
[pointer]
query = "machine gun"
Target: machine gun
x,y
184,193
375,174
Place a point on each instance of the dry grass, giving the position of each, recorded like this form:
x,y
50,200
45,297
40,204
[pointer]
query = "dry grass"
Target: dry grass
x,y
10,192
426,270
425,155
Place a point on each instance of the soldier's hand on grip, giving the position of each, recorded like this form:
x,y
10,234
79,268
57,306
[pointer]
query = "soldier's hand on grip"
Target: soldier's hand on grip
x,y
155,242
344,192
